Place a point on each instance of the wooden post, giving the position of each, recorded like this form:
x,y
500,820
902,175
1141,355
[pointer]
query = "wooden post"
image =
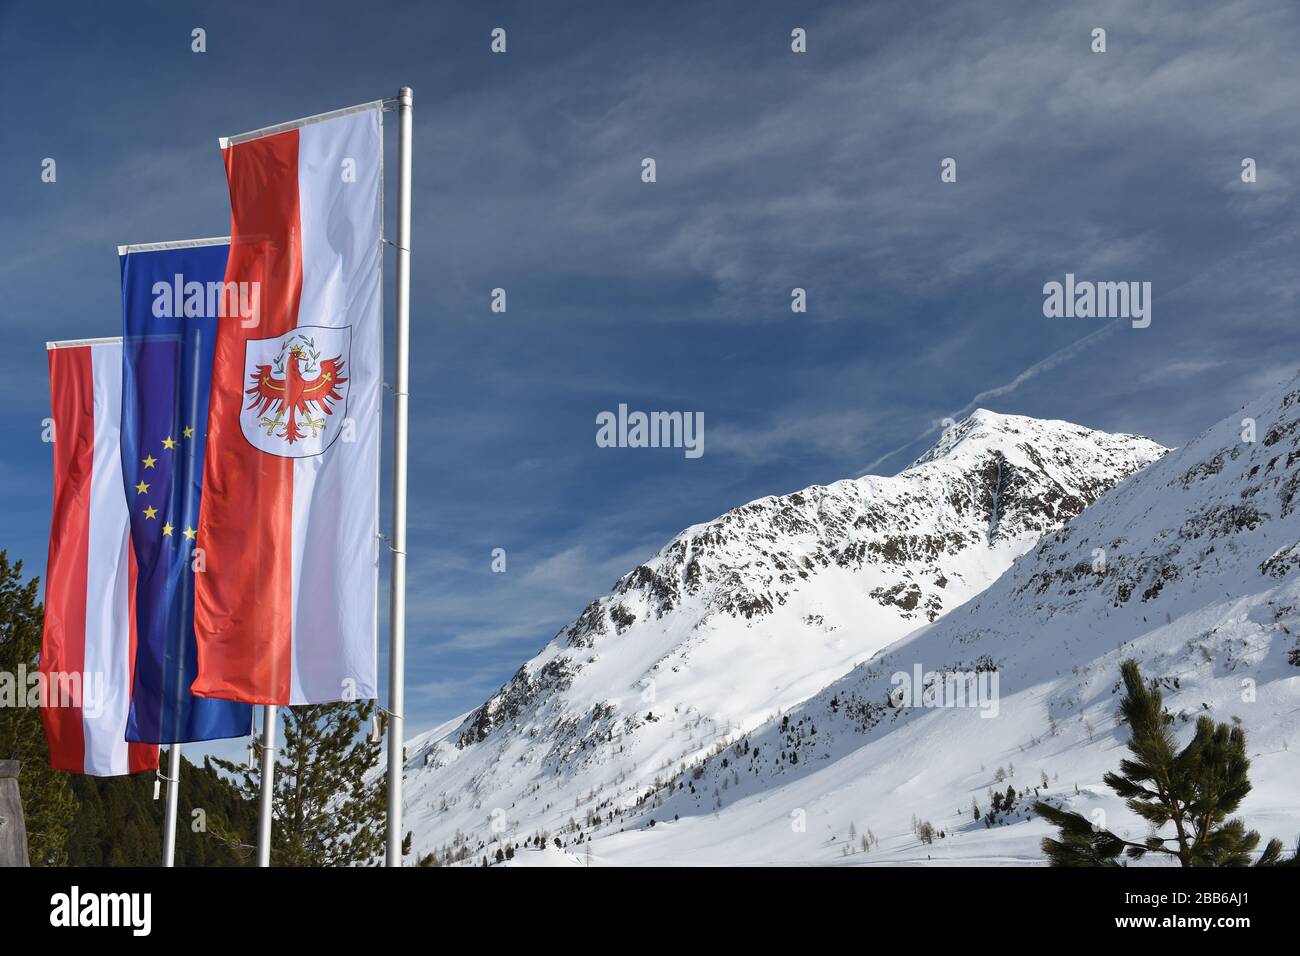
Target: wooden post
x,y
13,833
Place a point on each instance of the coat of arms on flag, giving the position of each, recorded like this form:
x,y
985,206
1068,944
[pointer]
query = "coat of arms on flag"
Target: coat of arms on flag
x,y
297,389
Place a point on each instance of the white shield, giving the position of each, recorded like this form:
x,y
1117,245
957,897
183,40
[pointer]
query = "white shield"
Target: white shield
x,y
296,390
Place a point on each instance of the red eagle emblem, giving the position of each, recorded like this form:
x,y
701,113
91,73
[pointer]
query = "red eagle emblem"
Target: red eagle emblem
x,y
304,392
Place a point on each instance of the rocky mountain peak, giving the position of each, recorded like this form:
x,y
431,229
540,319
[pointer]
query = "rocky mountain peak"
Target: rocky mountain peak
x,y
740,617
1191,567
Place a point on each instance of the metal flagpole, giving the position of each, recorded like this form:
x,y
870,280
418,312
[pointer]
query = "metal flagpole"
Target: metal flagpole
x,y
269,713
397,598
173,796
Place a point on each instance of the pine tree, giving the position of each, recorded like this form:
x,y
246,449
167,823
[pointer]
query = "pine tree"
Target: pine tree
x,y
328,806
229,820
49,805
1193,790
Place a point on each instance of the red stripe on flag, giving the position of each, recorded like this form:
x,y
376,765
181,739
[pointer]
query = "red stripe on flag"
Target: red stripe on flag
x,y
63,642
243,601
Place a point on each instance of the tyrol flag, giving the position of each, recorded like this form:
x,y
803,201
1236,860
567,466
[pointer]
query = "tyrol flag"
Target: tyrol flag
x,y
173,298
286,612
88,643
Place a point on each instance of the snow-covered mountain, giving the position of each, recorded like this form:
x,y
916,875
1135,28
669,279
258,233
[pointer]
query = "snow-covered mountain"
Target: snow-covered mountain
x,y
1191,566
739,618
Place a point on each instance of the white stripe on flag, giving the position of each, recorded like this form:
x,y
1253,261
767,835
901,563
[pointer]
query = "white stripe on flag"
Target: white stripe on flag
x,y
107,671
336,495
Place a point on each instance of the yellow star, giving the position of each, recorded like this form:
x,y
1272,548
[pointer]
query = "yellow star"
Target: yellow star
x,y
168,529
141,488
187,432
151,512
150,461
169,443
189,533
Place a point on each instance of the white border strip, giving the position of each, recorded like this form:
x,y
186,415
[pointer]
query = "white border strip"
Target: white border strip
x,y
77,343
228,141
179,244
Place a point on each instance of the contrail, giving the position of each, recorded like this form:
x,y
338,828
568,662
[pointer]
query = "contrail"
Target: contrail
x,y
1053,360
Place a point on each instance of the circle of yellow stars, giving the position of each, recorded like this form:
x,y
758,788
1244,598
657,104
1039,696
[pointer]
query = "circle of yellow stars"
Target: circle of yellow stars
x,y
142,487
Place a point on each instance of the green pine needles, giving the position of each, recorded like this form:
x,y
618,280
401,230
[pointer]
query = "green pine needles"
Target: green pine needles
x,y
1187,796
328,803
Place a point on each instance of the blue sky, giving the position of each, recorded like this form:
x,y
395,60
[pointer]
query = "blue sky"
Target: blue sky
x,y
775,170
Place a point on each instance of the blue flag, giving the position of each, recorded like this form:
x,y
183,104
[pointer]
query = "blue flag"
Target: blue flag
x,y
171,300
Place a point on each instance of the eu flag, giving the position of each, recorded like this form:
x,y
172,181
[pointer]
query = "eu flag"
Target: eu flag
x,y
172,296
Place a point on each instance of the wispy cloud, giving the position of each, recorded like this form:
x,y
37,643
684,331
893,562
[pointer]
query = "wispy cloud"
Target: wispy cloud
x,y
1057,358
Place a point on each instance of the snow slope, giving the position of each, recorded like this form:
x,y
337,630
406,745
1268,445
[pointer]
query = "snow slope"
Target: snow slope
x,y
1191,566
743,616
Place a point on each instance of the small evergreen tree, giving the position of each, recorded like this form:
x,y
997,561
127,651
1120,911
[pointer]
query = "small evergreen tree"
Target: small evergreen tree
x,y
1193,790
328,806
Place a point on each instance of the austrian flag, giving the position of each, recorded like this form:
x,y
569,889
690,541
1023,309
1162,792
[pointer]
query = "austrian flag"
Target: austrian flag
x,y
285,611
89,639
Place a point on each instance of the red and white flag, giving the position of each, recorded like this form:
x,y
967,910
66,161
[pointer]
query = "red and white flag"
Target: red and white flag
x,y
285,608
88,646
